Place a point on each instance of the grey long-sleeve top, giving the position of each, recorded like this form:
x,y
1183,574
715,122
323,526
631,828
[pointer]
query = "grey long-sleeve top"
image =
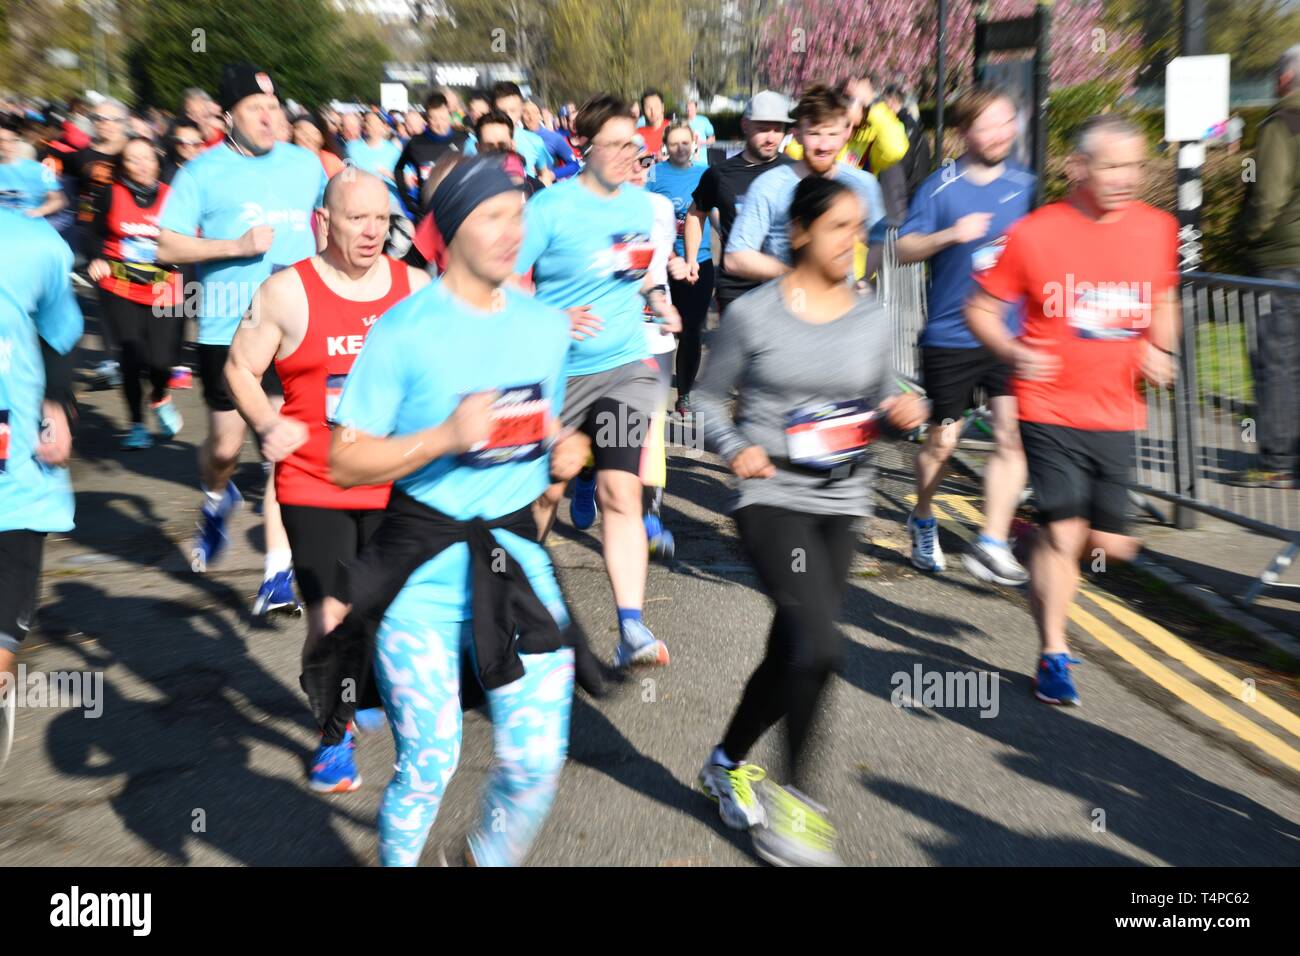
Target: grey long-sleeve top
x,y
779,362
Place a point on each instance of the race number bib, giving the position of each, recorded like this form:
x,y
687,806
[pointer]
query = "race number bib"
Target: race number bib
x,y
1113,313
520,416
139,249
4,440
987,255
828,435
333,392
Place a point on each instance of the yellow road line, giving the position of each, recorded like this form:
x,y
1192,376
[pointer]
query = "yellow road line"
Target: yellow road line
x,y
1189,692
1180,651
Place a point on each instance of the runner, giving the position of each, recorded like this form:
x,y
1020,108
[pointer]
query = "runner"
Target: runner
x,y
506,98
39,326
458,543
563,160
425,149
691,291
661,343
588,242
958,224
310,133
494,133
759,244
310,322
702,127
376,153
801,350
139,298
723,188
1098,274
183,143
26,185
654,122
241,211
92,169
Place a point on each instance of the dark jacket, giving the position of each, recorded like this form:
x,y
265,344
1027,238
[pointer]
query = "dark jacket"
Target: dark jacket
x,y
508,616
1270,217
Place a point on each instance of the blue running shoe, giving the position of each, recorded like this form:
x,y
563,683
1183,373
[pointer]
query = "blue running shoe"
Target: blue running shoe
x,y
659,538
169,419
1053,683
138,438
276,592
371,720
212,538
637,645
333,769
582,508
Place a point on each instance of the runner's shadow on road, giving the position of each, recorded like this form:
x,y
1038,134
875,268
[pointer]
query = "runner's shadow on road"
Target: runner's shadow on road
x,y
1149,801
98,444
187,749
595,742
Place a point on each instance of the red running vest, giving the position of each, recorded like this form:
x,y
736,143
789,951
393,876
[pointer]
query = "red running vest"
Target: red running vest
x,y
313,378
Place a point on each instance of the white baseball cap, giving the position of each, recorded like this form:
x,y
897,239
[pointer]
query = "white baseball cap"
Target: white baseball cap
x,y
768,107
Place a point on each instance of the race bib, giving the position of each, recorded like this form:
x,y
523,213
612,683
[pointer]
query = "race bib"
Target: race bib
x,y
828,435
681,227
632,254
1114,312
987,255
519,419
333,392
139,249
4,440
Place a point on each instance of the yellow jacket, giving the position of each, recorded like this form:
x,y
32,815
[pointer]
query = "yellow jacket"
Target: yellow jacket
x,y
882,139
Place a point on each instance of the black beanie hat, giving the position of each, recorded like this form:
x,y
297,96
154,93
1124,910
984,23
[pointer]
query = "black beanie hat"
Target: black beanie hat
x,y
243,79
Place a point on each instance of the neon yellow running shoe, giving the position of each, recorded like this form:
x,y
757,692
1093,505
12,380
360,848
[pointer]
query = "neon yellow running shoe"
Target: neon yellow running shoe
x,y
798,831
733,791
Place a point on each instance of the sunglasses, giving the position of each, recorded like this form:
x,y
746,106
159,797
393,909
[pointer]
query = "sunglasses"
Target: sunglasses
x,y
107,118
645,162
189,142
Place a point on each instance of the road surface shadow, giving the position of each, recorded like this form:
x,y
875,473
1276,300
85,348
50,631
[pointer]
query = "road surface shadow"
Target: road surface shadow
x,y
186,751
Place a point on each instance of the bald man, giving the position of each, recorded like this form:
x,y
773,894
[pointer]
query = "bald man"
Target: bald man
x,y
311,321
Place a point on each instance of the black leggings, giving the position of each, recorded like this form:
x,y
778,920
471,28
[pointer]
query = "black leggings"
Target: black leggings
x,y
803,562
146,342
692,303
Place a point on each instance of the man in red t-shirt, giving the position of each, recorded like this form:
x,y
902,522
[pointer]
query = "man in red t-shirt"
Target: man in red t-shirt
x,y
656,124
1097,272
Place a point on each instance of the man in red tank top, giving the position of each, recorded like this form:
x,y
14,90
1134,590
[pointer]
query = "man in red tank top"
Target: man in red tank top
x,y
311,321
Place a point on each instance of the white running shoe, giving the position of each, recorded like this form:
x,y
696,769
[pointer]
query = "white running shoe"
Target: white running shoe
x,y
927,555
996,565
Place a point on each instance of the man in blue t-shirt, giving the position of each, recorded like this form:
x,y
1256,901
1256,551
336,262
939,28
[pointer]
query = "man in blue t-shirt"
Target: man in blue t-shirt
x,y
39,325
455,398
758,246
677,180
702,126
241,210
376,152
588,243
957,222
508,98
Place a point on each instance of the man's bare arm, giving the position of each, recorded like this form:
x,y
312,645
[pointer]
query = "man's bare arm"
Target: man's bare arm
x,y
751,264
179,249
693,232
253,349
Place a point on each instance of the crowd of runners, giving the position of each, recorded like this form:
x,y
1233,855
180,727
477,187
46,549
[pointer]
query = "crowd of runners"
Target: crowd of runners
x,y
436,323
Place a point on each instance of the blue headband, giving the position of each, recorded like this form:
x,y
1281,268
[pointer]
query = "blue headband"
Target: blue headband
x,y
466,187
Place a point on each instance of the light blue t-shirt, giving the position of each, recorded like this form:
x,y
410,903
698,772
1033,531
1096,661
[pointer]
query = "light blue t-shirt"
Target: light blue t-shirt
x,y
527,144
703,127
36,302
763,224
586,249
25,184
943,198
379,160
421,357
220,194
678,185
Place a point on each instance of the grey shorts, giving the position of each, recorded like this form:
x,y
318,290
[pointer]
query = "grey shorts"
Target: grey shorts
x,y
615,408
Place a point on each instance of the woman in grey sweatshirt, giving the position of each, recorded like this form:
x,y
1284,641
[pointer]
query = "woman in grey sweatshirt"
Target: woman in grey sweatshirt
x,y
810,359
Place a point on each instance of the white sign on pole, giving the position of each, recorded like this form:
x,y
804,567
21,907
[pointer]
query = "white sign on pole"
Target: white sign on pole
x,y
392,96
1196,96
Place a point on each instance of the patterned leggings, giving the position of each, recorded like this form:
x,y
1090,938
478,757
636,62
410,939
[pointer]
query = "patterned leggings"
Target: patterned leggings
x,y
417,669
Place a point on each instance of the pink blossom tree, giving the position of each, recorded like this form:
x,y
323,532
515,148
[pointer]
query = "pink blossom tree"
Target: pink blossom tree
x,y
810,41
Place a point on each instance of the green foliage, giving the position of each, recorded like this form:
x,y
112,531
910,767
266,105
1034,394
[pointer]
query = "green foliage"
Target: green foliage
x,y
1069,107
305,45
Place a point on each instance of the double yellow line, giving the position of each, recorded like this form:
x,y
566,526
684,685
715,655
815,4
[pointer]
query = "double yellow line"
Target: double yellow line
x,y
1096,628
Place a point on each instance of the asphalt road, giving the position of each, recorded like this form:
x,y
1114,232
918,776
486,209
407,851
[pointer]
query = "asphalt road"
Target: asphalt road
x,y
199,754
